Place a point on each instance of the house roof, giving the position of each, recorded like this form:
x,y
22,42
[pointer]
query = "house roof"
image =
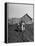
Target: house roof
x,y
26,18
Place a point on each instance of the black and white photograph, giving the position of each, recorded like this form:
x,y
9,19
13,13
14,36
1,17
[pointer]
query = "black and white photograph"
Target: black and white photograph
x,y
20,22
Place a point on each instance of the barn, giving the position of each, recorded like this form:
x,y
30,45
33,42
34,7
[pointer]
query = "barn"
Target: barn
x,y
26,19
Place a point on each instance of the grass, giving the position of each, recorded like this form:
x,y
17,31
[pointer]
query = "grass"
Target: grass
x,y
14,34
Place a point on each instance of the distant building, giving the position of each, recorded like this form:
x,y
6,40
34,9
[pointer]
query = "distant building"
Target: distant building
x,y
14,21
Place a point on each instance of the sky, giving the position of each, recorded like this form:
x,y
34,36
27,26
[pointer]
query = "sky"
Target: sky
x,y
19,10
